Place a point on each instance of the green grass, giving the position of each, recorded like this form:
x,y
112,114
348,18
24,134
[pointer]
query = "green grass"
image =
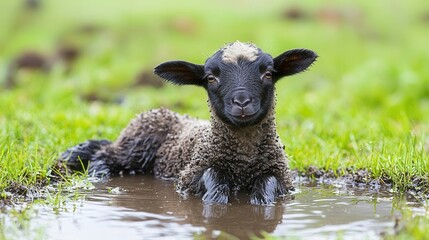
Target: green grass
x,y
365,103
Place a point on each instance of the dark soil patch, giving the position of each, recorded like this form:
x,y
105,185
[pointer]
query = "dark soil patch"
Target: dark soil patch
x,y
362,178
327,14
296,14
425,17
184,25
68,53
350,177
31,60
147,78
36,61
16,192
89,29
33,4
27,60
351,16
100,98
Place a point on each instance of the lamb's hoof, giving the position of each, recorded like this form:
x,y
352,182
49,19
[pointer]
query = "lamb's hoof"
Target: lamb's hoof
x,y
77,157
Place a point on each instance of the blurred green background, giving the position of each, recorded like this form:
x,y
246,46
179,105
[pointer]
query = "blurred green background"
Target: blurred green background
x,y
75,70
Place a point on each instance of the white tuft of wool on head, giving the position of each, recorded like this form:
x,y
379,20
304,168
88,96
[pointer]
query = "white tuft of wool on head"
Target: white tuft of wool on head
x,y
234,51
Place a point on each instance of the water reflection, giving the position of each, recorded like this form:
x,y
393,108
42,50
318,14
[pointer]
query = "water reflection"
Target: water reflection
x,y
155,196
142,207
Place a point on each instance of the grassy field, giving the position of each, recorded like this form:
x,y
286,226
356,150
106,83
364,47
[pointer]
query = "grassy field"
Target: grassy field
x,y
364,104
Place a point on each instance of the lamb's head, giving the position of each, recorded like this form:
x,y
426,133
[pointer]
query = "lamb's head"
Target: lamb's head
x,y
239,79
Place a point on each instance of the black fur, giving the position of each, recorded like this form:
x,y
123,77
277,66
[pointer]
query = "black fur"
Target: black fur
x,y
180,72
265,190
78,157
213,186
140,153
292,62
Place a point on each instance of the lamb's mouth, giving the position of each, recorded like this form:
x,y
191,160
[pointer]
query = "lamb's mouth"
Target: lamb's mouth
x,y
243,118
242,113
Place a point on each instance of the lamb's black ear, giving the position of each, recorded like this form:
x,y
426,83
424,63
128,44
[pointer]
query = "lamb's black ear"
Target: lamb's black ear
x,y
181,72
292,62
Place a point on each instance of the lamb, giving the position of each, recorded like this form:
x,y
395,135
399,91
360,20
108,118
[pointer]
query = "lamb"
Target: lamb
x,y
237,150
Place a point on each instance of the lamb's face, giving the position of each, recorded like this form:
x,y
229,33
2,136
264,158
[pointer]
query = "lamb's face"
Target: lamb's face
x,y
240,84
239,79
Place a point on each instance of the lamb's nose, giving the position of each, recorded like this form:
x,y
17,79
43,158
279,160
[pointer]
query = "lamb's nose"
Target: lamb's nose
x,y
242,102
242,99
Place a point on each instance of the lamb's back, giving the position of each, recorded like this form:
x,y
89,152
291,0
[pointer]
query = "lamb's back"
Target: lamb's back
x,y
179,145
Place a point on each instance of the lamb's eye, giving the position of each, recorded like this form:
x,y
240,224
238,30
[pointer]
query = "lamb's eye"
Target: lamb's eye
x,y
268,75
211,78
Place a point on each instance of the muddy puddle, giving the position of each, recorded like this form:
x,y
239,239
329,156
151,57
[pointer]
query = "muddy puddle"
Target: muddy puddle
x,y
142,207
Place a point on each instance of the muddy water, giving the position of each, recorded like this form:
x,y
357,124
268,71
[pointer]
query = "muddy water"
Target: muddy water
x,y
142,207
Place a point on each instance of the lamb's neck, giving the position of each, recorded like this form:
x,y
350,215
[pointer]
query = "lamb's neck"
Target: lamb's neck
x,y
250,135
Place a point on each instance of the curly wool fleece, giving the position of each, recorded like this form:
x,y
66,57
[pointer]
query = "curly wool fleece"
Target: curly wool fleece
x,y
183,147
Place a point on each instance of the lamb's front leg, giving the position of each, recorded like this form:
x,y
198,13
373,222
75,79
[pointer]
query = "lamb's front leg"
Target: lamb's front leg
x,y
213,186
265,190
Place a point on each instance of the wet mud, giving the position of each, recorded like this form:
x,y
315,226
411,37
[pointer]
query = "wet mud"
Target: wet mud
x,y
16,193
418,187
